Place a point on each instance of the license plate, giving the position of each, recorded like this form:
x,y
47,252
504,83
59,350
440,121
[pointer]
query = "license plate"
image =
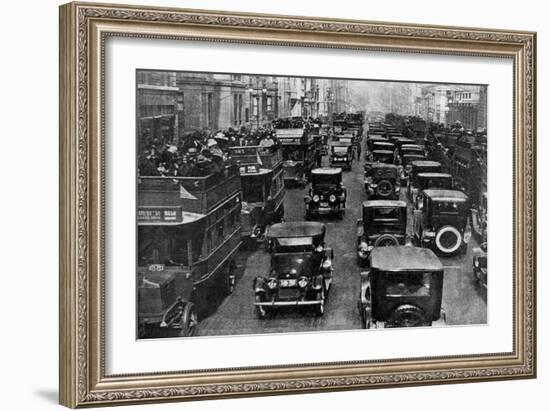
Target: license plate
x,y
287,282
324,204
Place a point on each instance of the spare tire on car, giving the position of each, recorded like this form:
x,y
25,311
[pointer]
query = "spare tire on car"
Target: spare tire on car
x,y
407,316
448,240
384,188
386,240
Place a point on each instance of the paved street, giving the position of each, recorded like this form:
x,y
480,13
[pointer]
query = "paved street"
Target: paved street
x,y
463,301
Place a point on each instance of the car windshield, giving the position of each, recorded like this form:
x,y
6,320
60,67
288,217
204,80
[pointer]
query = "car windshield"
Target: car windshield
x,y
295,241
293,154
441,183
161,245
447,207
325,179
408,284
383,158
339,150
413,150
291,261
386,215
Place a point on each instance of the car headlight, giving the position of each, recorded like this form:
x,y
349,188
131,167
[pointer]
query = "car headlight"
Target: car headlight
x,y
302,282
272,283
332,198
316,198
363,247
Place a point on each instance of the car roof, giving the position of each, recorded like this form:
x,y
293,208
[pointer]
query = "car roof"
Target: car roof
x,y
403,258
411,146
296,229
431,175
446,195
383,151
326,171
411,155
384,203
340,143
386,143
426,163
382,165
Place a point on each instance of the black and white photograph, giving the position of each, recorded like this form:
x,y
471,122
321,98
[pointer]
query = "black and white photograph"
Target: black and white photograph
x,y
282,204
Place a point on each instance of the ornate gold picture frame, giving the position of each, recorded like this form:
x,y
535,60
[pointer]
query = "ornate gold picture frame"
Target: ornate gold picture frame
x,y
84,29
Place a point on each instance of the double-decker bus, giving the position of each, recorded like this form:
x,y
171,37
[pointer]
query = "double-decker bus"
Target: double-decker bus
x,y
263,193
299,149
188,233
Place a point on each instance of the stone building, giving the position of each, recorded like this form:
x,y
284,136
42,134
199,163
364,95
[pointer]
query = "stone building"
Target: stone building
x,y
214,101
468,104
160,115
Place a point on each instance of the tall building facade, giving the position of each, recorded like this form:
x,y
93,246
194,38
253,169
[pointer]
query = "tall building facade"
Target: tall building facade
x,y
160,108
468,104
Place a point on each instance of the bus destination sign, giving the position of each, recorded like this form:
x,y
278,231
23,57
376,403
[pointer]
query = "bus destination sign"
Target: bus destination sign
x,y
160,214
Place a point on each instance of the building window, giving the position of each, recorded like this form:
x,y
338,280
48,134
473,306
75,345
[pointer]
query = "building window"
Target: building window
x,y
247,114
255,104
209,108
269,103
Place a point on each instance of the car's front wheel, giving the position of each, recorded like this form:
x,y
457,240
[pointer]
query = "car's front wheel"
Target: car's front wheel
x,y
320,308
189,324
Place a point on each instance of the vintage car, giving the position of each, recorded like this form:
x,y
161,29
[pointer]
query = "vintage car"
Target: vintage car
x,y
405,164
382,145
384,224
441,221
400,140
426,181
376,130
301,271
382,181
373,138
341,155
381,156
327,194
402,288
410,149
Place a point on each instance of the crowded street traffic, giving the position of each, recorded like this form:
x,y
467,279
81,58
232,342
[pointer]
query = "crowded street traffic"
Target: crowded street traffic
x,y
322,221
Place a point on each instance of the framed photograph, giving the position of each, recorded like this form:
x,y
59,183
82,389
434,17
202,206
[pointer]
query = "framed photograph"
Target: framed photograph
x,y
262,204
